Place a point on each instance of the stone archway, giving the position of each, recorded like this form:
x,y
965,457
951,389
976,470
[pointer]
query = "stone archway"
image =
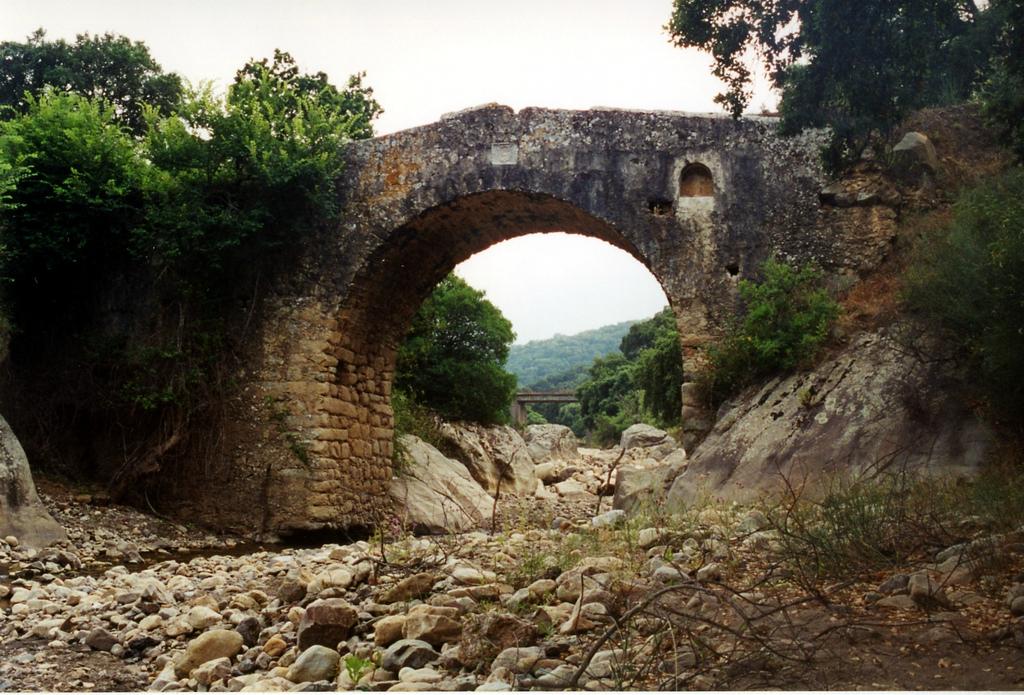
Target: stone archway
x,y
311,447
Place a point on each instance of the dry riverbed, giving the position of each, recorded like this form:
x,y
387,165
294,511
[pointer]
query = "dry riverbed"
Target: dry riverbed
x,y
557,598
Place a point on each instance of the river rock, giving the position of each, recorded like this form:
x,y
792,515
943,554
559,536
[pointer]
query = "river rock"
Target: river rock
x,y
101,640
388,630
212,671
415,586
518,660
22,514
550,443
326,622
412,653
318,663
206,647
493,455
436,494
432,624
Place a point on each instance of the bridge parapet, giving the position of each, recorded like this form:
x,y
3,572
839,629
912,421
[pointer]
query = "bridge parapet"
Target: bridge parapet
x,y
522,399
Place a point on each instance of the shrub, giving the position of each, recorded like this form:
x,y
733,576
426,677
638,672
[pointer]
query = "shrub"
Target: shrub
x,y
969,282
786,321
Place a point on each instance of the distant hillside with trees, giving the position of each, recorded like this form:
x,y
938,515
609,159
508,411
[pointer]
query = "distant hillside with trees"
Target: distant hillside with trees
x,y
562,361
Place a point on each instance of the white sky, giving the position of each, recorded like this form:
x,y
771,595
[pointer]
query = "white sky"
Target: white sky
x,y
428,58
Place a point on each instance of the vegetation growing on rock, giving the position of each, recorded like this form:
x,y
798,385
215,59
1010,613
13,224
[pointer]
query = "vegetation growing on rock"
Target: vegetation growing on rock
x,y
786,319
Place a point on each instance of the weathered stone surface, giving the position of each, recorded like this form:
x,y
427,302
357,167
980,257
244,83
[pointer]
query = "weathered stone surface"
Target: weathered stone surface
x,y
208,646
550,443
437,494
873,406
493,455
326,622
22,513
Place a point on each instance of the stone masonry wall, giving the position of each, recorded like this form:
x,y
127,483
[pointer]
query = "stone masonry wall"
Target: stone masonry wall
x,y
314,424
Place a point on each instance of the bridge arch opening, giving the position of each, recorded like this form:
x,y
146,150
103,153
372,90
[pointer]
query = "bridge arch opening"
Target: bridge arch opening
x,y
390,287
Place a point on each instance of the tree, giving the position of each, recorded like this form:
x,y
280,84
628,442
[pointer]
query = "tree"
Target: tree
x,y
71,204
855,67
969,282
235,179
1002,94
452,357
109,68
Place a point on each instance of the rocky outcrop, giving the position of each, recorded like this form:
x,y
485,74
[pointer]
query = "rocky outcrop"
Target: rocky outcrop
x,y
874,407
492,454
22,514
437,494
550,443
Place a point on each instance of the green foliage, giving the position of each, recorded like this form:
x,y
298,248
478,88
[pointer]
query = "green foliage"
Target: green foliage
x,y
555,363
787,319
970,283
234,180
113,69
73,197
452,357
356,667
136,223
855,67
1002,94
639,384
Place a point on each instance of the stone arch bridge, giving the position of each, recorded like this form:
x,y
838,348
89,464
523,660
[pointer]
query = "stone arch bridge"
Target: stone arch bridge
x,y
699,200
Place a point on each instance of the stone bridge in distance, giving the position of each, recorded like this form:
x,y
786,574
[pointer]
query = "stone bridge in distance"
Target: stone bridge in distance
x,y
701,201
525,398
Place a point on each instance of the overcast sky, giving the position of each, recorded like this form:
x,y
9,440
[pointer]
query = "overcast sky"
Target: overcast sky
x,y
424,59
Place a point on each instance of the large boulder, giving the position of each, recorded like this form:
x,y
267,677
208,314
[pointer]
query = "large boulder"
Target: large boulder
x,y
550,443
437,494
913,156
641,435
645,483
492,455
21,511
874,407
